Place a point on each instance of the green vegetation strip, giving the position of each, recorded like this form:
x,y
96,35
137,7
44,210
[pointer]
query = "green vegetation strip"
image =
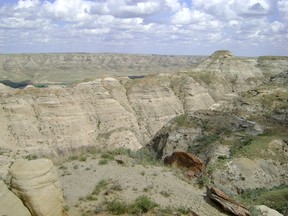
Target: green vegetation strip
x,y
275,198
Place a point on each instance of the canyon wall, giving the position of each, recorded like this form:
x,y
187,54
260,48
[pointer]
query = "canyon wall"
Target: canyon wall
x,y
113,111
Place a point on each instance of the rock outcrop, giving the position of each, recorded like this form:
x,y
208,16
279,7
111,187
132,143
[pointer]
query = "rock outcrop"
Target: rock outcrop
x,y
243,173
266,211
187,161
226,202
236,74
280,79
118,112
10,204
36,183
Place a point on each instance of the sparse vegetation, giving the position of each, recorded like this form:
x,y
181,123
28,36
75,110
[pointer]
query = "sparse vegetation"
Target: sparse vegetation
x,y
275,198
186,121
165,193
117,207
83,158
31,157
103,162
141,205
204,76
100,186
144,157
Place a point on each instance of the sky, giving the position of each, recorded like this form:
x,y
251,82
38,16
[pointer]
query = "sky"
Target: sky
x,y
172,27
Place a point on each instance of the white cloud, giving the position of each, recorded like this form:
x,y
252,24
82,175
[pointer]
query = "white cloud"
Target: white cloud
x,y
23,4
172,26
127,8
283,9
253,7
68,10
186,16
174,5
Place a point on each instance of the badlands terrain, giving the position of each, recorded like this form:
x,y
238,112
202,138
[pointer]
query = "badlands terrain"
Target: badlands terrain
x,y
109,122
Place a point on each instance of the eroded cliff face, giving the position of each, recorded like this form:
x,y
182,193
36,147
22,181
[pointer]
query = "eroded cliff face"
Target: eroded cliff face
x,y
114,111
226,73
102,112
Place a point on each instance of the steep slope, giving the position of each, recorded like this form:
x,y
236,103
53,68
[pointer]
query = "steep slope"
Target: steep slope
x,y
223,73
59,118
119,111
244,143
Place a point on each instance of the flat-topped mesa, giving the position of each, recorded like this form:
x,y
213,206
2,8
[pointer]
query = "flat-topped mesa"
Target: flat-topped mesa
x,y
221,54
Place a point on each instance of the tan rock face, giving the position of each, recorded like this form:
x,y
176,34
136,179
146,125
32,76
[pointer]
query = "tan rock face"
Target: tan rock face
x,y
110,111
227,73
103,112
244,173
36,183
11,204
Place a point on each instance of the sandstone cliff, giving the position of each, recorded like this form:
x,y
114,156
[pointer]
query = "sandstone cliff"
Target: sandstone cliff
x,y
119,111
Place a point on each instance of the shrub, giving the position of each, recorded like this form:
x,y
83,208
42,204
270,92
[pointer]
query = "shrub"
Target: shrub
x,y
107,156
83,158
73,157
31,157
117,207
183,210
203,181
103,162
142,204
144,157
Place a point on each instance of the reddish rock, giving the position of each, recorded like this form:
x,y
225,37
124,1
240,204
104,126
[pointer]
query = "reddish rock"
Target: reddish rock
x,y
227,203
185,160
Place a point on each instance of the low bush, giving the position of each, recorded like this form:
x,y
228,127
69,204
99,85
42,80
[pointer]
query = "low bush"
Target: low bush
x,y
117,207
141,205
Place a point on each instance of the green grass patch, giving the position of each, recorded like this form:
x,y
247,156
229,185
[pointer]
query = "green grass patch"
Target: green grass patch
x,y
186,121
257,147
142,204
275,198
100,186
144,157
117,207
31,157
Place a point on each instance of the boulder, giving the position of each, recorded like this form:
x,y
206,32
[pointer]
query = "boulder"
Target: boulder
x,y
185,160
36,183
10,204
226,202
266,211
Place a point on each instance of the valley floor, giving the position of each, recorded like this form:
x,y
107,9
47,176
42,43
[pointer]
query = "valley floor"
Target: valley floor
x,y
91,183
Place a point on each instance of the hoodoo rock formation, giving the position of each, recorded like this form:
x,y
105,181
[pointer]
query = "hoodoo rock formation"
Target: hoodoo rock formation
x,y
36,183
